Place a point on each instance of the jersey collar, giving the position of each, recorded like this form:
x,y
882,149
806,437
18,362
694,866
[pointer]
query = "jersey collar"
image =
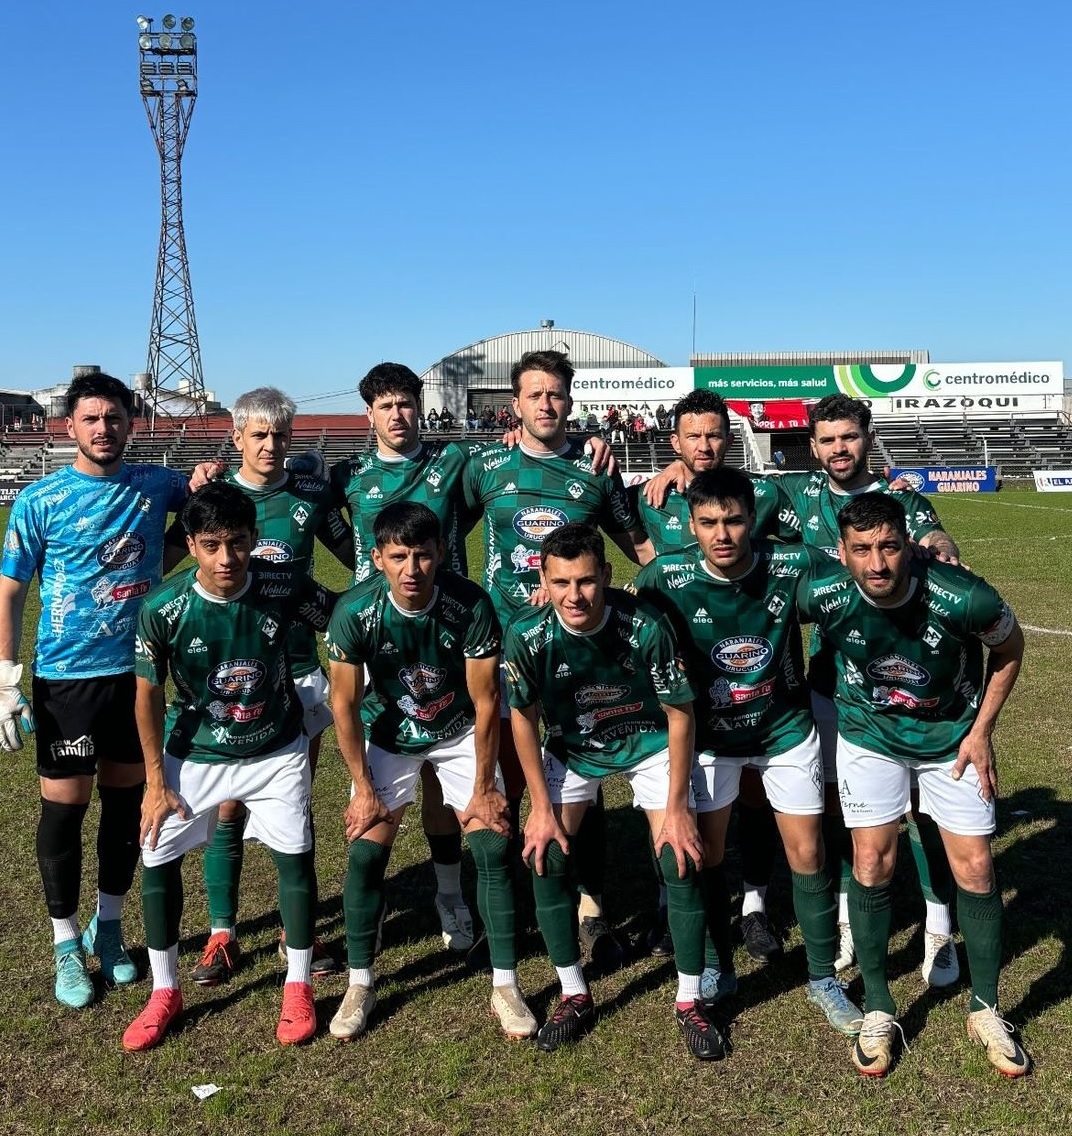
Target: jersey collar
x,y
585,634
413,614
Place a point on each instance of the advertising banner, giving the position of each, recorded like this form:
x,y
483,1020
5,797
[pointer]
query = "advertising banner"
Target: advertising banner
x,y
1053,480
780,414
949,478
598,388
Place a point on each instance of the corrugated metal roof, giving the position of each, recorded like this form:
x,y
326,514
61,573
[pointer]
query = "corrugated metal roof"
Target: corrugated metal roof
x,y
806,358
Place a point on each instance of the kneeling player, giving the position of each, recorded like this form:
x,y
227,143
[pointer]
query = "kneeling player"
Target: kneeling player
x,y
234,732
431,641
602,666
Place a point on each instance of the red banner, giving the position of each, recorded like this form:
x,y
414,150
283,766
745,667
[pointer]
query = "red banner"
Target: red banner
x,y
778,414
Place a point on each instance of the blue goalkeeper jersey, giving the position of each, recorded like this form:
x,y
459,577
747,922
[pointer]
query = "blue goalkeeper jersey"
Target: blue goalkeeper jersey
x,y
97,544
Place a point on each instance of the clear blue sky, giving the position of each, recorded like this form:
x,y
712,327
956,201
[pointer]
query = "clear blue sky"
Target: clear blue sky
x,y
368,181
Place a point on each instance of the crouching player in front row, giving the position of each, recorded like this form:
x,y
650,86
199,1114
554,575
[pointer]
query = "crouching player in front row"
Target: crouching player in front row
x,y
431,642
602,667
233,732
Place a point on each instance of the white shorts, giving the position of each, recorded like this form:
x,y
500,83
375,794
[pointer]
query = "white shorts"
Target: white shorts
x,y
274,788
824,711
793,781
875,789
313,691
394,775
649,780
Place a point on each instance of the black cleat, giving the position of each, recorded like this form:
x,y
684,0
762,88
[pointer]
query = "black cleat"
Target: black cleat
x,y
605,951
573,1018
218,960
658,940
702,1036
760,941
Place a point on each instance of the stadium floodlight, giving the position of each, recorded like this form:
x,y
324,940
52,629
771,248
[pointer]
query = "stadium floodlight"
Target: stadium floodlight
x,y
187,23
168,21
144,23
145,42
164,40
186,41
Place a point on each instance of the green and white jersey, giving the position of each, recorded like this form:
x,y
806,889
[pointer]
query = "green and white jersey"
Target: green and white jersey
x,y
668,527
234,694
420,695
742,646
817,505
602,692
430,475
291,515
909,678
524,496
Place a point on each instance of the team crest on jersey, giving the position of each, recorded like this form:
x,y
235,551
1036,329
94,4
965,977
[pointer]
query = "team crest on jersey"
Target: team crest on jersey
x,y
932,636
896,668
600,692
776,605
742,654
524,560
575,489
270,627
434,477
422,678
300,515
238,676
122,551
535,521
275,551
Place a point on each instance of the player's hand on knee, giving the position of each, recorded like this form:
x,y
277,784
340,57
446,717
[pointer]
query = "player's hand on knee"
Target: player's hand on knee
x,y
364,811
490,810
978,751
156,806
16,717
540,832
684,839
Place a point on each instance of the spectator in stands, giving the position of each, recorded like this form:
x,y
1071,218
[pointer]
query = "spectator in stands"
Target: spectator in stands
x,y
433,419
446,419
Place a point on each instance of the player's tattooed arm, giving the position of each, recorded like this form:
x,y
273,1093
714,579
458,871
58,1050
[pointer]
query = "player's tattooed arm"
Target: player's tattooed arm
x,y
487,805
160,799
542,827
365,809
657,488
679,825
941,546
1002,670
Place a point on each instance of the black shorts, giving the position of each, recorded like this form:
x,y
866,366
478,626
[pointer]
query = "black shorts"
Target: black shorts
x,y
81,720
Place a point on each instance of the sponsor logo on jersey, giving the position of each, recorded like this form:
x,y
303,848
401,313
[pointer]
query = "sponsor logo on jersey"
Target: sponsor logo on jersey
x,y
575,489
534,522
826,589
122,551
104,591
563,671
422,678
388,649
725,693
12,542
524,559
854,636
742,654
701,616
600,692
74,747
237,676
232,711
892,696
788,517
833,603
944,593
374,494
673,525
83,523
274,590
275,551
588,722
813,524
896,668
413,709
496,461
197,646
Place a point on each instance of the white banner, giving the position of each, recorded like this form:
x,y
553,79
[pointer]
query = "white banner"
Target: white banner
x,y
597,388
1053,480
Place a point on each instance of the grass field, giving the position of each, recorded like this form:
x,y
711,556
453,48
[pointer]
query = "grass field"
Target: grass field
x,y
434,1061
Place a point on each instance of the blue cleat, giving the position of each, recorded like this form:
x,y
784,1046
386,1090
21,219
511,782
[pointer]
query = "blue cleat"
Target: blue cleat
x,y
74,987
105,940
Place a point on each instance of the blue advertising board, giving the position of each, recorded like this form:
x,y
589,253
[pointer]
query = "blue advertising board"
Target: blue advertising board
x,y
948,478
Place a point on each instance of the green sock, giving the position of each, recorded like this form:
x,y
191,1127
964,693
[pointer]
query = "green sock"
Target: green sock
x,y
980,918
556,906
223,871
928,852
718,947
161,904
684,912
363,900
816,908
495,896
871,916
297,884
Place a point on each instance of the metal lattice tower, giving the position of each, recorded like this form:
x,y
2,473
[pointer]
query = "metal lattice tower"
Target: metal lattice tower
x,y
168,78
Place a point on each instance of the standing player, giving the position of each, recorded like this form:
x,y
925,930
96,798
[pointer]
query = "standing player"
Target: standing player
x,y
430,641
293,511
233,732
94,534
700,438
916,705
525,493
731,597
842,441
630,712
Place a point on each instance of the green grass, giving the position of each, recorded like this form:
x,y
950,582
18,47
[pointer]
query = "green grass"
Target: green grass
x,y
434,1062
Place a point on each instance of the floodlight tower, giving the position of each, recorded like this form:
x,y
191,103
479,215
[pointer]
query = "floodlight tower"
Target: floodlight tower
x,y
168,78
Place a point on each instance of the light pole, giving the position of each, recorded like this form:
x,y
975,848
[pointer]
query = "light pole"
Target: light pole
x,y
168,80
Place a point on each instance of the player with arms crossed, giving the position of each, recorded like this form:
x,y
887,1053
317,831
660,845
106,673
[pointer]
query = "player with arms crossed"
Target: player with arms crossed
x,y
431,642
94,534
916,706
233,732
601,668
294,510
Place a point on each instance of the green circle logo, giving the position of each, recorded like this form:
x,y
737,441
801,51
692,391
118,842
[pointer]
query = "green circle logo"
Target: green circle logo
x,y
860,380
931,380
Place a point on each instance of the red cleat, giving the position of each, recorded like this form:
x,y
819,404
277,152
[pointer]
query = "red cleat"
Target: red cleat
x,y
148,1028
297,1022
